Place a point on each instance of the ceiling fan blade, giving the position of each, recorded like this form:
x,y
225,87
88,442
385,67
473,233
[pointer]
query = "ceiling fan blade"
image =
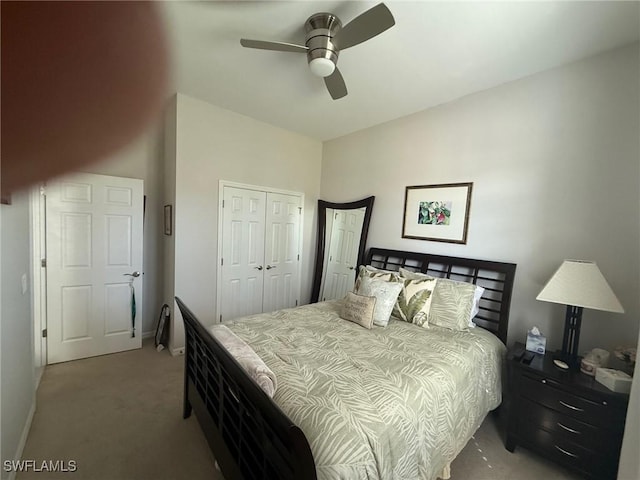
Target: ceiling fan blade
x,y
365,26
278,46
335,84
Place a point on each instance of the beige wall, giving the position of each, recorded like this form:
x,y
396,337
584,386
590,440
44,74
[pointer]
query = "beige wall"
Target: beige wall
x,y
214,144
555,163
17,399
144,159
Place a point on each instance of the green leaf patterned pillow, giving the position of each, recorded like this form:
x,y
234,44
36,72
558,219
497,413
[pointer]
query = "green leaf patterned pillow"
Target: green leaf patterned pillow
x,y
414,301
373,272
452,304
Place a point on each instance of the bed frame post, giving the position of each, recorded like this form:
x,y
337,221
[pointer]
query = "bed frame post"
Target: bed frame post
x,y
186,405
249,436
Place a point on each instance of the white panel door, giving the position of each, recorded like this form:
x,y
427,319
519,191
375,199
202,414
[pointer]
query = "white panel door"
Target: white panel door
x,y
281,251
94,227
242,252
343,256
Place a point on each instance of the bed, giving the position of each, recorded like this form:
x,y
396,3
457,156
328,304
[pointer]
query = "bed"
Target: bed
x,y
334,376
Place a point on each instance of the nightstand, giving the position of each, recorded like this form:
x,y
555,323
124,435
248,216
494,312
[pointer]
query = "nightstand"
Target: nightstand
x,y
566,416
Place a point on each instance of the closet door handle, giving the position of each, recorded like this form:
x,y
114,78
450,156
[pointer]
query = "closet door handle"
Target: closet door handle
x,y
259,267
269,267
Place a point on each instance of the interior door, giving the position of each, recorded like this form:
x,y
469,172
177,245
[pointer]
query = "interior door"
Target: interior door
x,y
343,253
94,226
242,252
282,251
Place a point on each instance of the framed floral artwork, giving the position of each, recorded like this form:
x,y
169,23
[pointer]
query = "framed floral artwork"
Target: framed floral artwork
x,y
438,213
168,220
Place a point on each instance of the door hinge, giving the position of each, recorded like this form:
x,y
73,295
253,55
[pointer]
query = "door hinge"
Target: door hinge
x,y
222,203
44,333
222,262
43,190
220,318
300,210
43,263
298,257
296,303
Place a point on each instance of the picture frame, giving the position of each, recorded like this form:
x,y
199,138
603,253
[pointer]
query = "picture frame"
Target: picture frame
x,y
168,219
438,213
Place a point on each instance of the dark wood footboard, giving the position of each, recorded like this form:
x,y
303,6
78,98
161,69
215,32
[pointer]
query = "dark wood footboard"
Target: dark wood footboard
x,y
250,437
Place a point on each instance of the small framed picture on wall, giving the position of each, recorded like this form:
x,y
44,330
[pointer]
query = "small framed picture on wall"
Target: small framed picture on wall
x,y
168,220
438,213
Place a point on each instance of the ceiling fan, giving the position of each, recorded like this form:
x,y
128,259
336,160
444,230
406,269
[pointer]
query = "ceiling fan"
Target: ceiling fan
x,y
326,37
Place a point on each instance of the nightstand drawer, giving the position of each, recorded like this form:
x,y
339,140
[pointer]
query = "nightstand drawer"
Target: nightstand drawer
x,y
564,426
547,392
595,464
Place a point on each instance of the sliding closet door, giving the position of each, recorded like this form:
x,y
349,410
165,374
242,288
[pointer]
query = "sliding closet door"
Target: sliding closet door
x,y
242,252
281,251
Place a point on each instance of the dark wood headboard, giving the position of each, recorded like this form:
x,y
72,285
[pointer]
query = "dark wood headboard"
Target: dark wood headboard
x,y
495,277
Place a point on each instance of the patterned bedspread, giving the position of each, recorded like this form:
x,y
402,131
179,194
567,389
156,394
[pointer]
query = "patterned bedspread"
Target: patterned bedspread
x,y
389,403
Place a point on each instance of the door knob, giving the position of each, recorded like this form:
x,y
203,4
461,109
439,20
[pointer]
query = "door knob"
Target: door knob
x,y
135,274
269,267
259,267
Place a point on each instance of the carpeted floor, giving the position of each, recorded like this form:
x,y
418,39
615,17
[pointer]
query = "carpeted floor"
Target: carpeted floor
x,y
119,417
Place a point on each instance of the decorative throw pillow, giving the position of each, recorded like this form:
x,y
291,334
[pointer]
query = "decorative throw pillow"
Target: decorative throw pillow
x,y
414,301
373,272
358,309
386,294
411,275
477,295
452,304
475,309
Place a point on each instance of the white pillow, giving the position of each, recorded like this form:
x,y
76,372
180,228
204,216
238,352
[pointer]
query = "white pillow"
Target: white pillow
x,y
475,309
386,294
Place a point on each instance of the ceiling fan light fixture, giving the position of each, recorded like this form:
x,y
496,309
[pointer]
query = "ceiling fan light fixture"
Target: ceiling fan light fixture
x,y
322,67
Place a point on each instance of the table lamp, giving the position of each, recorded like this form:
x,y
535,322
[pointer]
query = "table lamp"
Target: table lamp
x,y
578,284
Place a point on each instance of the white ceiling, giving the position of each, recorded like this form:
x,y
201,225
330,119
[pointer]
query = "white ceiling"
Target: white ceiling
x,y
437,52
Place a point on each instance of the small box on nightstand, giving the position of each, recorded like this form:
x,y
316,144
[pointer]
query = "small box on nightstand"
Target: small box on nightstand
x,y
614,380
536,342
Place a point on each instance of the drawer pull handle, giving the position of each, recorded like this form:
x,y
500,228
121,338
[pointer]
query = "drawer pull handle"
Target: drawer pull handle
x,y
566,453
569,429
571,406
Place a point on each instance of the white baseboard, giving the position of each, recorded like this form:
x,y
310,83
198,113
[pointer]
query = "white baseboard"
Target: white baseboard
x,y
23,437
177,351
149,334
38,373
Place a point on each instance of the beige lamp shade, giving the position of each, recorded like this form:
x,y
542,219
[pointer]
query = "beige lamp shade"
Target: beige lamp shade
x,y
581,284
